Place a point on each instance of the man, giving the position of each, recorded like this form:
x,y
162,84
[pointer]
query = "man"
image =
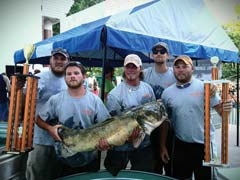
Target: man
x,y
39,165
76,108
160,76
184,101
4,89
130,93
109,83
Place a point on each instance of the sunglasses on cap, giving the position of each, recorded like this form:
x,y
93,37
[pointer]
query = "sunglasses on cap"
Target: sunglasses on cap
x,y
74,63
59,50
156,51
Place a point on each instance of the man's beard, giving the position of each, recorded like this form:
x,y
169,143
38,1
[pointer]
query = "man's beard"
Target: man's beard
x,y
160,63
57,73
183,81
75,85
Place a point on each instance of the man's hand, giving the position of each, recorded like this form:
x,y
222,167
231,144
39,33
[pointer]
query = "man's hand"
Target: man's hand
x,y
53,131
227,106
164,154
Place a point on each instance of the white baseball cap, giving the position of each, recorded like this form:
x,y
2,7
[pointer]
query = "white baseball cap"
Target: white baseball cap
x,y
134,59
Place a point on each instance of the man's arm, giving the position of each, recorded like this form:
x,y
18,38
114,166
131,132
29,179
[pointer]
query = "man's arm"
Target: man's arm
x,y
7,81
52,130
163,137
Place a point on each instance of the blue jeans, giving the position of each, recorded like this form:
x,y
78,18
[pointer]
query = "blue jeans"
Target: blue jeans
x,y
4,111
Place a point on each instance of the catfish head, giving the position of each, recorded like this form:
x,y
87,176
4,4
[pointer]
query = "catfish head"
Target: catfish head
x,y
150,115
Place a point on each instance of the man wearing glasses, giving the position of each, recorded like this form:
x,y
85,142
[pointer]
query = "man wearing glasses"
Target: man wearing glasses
x,y
159,76
42,159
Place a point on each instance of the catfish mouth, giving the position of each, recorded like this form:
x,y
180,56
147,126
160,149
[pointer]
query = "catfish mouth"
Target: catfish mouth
x,y
149,127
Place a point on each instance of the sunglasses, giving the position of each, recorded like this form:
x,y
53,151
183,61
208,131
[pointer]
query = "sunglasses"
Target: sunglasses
x,y
162,51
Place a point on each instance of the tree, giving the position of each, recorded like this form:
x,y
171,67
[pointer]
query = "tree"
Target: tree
x,y
229,70
79,5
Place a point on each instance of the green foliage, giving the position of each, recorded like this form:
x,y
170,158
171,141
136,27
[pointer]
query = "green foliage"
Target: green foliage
x,y
233,30
56,29
229,70
97,71
79,5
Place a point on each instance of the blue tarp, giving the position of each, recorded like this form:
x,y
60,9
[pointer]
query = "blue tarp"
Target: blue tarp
x,y
186,26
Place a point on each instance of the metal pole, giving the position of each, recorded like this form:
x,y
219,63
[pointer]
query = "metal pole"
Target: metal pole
x,y
238,102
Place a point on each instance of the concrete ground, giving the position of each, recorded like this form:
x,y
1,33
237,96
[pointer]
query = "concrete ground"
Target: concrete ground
x,y
233,171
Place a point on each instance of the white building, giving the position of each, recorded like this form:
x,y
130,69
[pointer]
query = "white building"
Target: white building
x,y
27,21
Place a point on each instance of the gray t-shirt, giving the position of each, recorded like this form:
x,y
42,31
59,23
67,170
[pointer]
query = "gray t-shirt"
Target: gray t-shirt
x,y
75,113
124,97
185,107
159,81
48,85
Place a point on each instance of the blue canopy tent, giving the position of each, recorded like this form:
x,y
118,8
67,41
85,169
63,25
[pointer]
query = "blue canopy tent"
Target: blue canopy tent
x,y
186,26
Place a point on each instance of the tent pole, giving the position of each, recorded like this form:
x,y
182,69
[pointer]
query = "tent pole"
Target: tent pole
x,y
238,102
104,48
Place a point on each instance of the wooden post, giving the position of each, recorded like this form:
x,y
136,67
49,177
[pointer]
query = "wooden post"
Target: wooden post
x,y
17,120
20,128
25,69
225,120
32,113
26,113
11,113
207,157
214,73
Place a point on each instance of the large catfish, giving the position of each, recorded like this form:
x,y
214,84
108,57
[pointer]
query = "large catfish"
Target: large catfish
x,y
116,129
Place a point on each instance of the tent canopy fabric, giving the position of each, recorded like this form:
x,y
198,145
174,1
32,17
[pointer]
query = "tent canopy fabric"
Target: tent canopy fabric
x,y
186,26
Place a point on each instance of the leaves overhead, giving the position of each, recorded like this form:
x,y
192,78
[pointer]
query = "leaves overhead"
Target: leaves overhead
x,y
229,70
79,5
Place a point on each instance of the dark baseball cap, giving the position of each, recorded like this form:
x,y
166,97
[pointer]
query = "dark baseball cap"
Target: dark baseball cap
x,y
60,51
160,44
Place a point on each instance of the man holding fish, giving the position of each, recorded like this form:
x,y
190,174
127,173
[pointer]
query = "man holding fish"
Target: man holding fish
x,y
75,108
130,93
